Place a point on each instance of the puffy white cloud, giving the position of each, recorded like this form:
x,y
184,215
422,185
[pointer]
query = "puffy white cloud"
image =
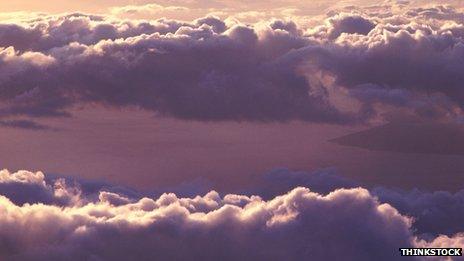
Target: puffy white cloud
x,y
28,187
22,176
297,225
434,213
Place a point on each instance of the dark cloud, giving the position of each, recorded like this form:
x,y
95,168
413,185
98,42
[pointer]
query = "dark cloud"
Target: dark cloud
x,y
217,25
23,124
402,62
210,69
434,213
350,25
195,73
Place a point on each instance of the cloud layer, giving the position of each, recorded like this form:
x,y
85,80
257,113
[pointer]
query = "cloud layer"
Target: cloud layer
x,y
434,213
348,67
297,225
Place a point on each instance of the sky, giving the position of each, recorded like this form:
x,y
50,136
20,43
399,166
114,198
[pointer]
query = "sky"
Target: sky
x,y
235,130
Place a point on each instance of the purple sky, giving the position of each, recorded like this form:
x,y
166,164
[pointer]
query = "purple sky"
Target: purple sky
x,y
137,149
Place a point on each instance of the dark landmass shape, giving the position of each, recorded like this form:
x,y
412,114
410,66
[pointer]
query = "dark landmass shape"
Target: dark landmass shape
x,y
428,138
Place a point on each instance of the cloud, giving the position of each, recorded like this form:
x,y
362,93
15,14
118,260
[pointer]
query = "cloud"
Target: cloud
x,y
23,124
350,24
352,66
28,187
434,213
213,69
203,71
293,225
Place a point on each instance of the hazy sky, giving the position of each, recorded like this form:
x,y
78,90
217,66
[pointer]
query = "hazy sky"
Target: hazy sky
x,y
137,149
102,6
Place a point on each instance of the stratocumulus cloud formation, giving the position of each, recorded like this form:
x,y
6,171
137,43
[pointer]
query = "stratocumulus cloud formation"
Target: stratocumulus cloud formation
x,y
344,68
297,225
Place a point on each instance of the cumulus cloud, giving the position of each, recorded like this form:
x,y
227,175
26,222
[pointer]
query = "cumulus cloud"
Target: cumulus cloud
x,y
298,224
292,226
221,69
202,71
28,187
350,24
434,213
